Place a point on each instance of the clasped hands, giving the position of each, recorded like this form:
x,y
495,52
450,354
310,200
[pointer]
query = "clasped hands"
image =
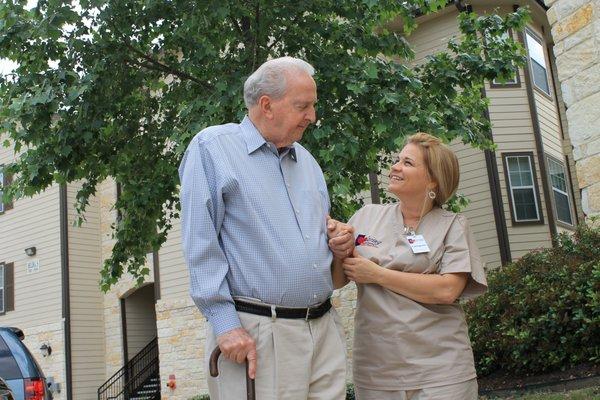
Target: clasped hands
x,y
356,267
237,344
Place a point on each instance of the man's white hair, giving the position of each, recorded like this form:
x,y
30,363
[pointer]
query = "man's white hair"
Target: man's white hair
x,y
270,78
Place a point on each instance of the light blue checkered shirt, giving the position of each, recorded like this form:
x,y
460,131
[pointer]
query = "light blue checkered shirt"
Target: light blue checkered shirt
x,y
254,223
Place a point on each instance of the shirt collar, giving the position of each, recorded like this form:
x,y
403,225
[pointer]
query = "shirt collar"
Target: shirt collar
x,y
251,135
254,140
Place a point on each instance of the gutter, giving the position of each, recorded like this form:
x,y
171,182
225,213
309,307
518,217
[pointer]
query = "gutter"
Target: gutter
x,y
66,300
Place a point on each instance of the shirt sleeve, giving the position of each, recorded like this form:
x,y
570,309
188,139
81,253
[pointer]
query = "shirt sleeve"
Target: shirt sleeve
x,y
462,255
202,212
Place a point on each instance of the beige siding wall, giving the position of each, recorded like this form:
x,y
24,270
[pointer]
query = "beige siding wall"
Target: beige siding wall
x,y
513,132
474,184
38,302
548,113
141,319
174,280
567,148
87,326
431,37
32,222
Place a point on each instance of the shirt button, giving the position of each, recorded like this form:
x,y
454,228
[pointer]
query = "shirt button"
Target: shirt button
x,y
297,211
315,266
288,185
306,237
314,296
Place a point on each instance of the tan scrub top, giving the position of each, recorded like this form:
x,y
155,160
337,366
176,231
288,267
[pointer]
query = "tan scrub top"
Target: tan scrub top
x,y
399,343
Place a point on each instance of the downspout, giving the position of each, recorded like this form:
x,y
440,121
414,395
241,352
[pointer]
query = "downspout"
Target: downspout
x,y
496,193
66,300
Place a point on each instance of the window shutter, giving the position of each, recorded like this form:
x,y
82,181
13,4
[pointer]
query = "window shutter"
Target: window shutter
x,y
7,181
9,287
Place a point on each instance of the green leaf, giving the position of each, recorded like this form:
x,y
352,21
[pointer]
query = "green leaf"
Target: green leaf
x,y
98,95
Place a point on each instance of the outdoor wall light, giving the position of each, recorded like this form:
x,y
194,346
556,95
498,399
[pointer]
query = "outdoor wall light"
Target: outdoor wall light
x,y
30,251
46,349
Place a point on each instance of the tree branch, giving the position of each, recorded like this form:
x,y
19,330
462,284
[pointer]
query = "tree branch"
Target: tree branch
x,y
163,67
293,23
236,25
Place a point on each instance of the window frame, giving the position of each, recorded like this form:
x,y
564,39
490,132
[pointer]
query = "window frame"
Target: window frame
x,y
5,180
540,40
508,85
534,186
568,191
2,206
3,288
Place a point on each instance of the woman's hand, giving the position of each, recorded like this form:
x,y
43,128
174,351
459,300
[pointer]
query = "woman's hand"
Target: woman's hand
x,y
362,270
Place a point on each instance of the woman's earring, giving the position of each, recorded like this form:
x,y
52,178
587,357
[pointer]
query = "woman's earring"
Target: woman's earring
x,y
431,194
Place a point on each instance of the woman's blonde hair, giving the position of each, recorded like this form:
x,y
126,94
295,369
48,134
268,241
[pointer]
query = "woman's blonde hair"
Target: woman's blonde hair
x,y
442,165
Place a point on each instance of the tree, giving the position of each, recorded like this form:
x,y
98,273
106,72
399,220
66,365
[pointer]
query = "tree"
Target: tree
x,y
110,88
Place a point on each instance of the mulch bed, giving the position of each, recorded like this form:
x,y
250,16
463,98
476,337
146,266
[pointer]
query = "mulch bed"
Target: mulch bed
x,y
506,381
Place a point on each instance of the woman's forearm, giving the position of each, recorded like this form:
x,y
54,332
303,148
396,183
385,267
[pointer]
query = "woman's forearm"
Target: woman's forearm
x,y
424,288
337,274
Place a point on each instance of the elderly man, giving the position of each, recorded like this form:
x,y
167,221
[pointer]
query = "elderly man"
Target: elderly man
x,y
254,210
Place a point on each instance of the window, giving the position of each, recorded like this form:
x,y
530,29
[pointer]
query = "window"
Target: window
x,y
2,289
7,292
521,182
562,202
1,189
4,182
515,80
537,62
9,369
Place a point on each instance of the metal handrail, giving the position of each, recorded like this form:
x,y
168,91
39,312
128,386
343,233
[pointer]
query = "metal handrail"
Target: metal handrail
x,y
123,380
152,367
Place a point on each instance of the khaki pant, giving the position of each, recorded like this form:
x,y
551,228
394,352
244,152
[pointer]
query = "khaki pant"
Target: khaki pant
x,y
297,360
458,391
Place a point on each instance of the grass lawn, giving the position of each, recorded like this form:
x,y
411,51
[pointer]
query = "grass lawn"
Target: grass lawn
x,y
583,394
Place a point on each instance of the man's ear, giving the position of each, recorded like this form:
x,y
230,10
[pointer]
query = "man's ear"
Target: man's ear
x,y
266,107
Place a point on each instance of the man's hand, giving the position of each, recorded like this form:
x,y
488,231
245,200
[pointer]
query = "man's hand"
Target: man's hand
x,y
341,238
238,345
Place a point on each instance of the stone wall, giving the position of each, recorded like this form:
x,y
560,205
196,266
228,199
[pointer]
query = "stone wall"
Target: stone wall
x,y
344,301
576,33
181,337
54,364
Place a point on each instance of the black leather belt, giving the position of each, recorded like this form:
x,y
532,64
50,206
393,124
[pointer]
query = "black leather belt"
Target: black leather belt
x,y
283,312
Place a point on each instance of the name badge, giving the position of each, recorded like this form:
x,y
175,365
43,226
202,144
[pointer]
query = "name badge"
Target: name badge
x,y
418,244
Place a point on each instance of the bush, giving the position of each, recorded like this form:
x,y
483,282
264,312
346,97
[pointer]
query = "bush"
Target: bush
x,y
542,312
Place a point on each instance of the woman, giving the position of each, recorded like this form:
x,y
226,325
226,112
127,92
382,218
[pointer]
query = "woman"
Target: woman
x,y
412,261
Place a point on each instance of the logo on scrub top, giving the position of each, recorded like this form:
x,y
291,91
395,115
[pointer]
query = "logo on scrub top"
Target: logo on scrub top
x,y
364,240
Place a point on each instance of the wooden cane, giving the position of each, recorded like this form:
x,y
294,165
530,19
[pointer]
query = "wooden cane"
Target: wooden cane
x,y
214,372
